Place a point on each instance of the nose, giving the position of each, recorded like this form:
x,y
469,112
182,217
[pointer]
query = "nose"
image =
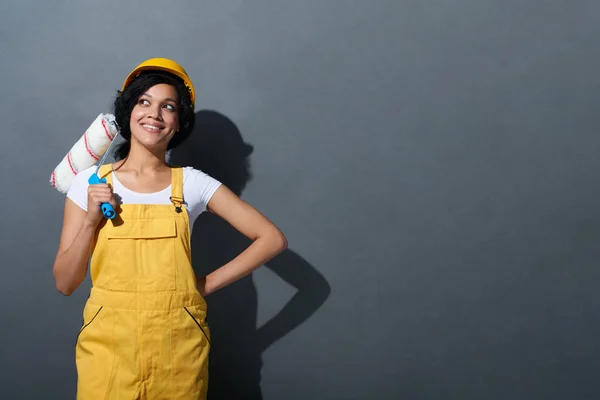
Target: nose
x,y
155,112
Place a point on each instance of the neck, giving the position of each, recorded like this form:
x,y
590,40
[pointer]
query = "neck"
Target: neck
x,y
142,159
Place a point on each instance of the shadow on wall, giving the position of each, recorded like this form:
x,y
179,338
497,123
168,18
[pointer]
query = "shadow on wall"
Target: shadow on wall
x,y
217,148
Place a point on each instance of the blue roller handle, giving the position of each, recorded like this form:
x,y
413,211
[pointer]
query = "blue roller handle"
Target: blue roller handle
x,y
107,210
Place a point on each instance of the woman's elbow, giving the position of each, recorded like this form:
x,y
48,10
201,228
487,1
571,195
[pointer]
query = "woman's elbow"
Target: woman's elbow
x,y
64,289
279,241
65,292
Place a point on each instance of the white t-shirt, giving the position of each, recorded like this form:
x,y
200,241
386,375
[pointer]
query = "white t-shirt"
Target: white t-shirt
x,y
198,189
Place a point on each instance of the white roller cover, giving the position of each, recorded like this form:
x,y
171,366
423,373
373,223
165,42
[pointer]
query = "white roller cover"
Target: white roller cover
x,y
85,152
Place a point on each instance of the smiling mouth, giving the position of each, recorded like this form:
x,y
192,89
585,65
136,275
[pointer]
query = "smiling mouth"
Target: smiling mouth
x,y
152,128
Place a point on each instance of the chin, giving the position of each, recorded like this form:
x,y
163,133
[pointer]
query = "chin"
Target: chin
x,y
151,143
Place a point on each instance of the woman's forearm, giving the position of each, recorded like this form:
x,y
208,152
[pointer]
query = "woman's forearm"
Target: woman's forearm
x,y
70,266
258,253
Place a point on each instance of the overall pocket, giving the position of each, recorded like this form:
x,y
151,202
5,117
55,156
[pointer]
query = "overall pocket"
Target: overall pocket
x,y
94,352
199,321
140,255
89,315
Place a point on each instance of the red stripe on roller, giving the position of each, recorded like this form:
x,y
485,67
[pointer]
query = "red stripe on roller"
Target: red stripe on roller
x,y
106,130
53,177
71,164
87,148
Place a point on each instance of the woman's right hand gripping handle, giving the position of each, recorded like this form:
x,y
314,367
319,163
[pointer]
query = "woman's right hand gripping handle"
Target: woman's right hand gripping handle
x,y
97,194
79,227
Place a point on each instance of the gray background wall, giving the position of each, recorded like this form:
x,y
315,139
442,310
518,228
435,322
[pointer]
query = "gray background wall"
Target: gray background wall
x,y
433,164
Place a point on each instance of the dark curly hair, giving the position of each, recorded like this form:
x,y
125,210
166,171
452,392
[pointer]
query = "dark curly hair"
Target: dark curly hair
x,y
127,99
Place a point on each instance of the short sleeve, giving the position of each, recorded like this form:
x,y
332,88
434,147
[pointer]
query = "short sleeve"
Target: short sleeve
x,y
78,190
199,188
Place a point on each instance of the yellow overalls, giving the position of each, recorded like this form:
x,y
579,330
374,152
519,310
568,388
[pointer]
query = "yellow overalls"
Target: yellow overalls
x,y
145,334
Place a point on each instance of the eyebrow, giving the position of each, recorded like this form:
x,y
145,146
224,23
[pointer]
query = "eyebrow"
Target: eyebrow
x,y
166,98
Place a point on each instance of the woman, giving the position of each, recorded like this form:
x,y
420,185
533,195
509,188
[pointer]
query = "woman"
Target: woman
x,y
145,333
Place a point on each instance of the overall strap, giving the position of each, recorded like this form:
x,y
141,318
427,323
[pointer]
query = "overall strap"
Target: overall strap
x,y
177,188
106,172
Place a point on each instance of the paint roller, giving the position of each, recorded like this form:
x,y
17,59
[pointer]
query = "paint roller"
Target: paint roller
x,y
91,148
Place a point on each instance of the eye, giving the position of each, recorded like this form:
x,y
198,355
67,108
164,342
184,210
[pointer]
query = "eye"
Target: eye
x,y
170,107
143,101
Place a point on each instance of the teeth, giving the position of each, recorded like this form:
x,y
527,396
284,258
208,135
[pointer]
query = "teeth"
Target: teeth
x,y
152,127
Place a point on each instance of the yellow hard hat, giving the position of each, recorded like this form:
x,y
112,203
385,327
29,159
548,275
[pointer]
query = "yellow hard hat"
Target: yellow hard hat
x,y
162,64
